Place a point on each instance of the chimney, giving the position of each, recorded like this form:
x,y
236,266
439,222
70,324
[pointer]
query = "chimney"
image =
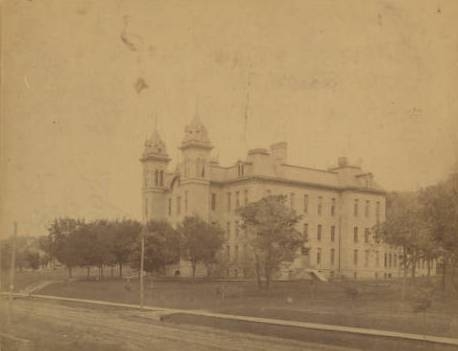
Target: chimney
x,y
279,151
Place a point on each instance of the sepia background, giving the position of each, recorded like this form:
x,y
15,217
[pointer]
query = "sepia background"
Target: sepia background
x,y
84,81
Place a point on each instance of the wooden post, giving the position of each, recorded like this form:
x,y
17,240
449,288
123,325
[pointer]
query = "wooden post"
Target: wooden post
x,y
142,259
1,268
13,268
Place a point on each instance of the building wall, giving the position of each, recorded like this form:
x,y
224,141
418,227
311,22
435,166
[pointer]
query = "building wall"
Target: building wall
x,y
345,201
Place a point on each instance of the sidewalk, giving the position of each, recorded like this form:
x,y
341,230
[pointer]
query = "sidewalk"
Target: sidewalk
x,y
160,311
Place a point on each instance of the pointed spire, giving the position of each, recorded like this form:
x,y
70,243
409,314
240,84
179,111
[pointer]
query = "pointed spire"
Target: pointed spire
x,y
154,145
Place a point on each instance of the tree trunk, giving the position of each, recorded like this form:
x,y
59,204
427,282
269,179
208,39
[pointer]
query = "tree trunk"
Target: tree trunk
x,y
404,275
268,274
193,264
414,265
88,272
428,263
258,272
120,270
444,273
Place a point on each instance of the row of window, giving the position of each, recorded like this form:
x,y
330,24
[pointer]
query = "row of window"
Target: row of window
x,y
390,260
199,168
155,178
332,209
236,252
237,200
236,230
367,208
178,205
319,231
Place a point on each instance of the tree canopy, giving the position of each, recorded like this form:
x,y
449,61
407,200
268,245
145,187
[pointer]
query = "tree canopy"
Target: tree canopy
x,y
273,237
200,241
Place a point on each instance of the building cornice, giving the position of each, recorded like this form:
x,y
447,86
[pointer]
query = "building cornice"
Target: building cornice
x,y
296,183
155,157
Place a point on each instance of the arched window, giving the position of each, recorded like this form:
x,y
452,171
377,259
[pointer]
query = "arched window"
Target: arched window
x,y
156,177
161,178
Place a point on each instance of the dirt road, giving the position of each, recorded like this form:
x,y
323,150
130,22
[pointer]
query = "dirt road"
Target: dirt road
x,y
52,326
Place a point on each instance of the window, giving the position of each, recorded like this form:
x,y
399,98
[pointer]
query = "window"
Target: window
x,y
318,232
170,207
185,202
377,210
213,202
355,257
228,251
237,199
228,230
395,260
178,205
241,170
156,178
333,233
320,205
291,200
366,235
236,252
318,256
366,258
229,201
366,209
355,234
306,232
355,208
146,208
306,203
333,256
333,207
186,168
385,260
236,228
245,197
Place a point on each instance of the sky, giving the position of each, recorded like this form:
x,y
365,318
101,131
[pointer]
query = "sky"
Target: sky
x,y
84,81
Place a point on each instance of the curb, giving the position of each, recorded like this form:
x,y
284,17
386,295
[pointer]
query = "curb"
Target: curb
x,y
270,321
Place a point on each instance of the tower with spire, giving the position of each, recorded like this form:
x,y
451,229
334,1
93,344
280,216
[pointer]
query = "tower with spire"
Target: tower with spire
x,y
155,161
194,170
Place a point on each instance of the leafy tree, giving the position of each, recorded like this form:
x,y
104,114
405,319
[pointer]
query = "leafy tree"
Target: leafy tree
x,y
271,226
440,204
45,245
162,247
402,228
61,240
200,241
124,236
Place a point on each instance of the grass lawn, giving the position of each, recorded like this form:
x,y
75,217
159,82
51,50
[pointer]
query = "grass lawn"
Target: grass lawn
x,y
376,305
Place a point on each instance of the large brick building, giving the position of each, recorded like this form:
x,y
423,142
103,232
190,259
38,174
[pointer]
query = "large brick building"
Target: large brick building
x,y
339,205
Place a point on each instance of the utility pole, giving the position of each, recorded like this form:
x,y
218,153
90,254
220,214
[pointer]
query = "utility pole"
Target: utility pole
x,y
142,259
1,268
13,268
